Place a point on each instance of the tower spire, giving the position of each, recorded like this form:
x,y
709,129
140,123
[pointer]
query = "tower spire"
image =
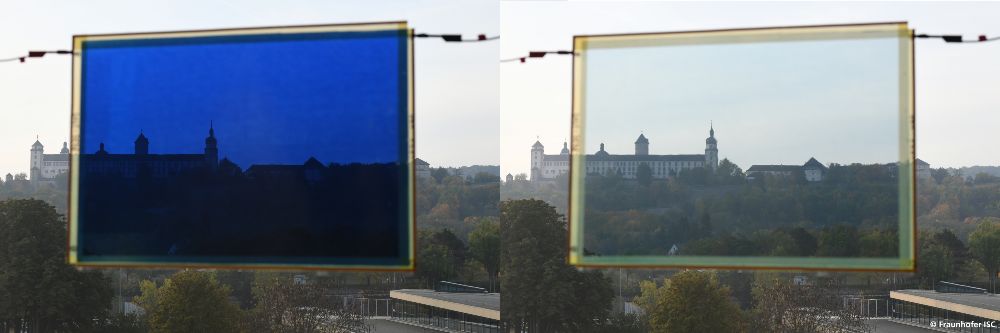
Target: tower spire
x,y
211,147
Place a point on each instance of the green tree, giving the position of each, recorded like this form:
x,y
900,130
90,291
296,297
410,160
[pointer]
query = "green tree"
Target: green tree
x,y
941,256
694,176
149,295
935,262
484,247
729,173
433,264
485,178
985,178
36,284
838,241
949,240
984,245
644,174
439,174
690,301
939,174
441,256
879,243
193,301
457,251
805,243
541,292
241,285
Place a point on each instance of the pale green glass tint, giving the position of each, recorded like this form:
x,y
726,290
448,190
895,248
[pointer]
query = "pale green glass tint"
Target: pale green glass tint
x,y
819,120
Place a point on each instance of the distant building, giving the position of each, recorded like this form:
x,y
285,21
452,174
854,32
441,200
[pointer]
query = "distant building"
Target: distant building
x,y
812,170
548,167
423,169
510,178
102,162
773,170
47,166
141,161
923,169
312,171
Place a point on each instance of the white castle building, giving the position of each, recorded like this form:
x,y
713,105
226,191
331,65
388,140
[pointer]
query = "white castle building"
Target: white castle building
x,y
48,166
548,167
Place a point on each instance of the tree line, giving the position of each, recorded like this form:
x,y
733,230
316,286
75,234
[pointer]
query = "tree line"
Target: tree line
x,y
959,241
39,292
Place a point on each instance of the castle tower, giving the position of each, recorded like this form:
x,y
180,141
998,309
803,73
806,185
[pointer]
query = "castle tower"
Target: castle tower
x,y
211,148
141,145
711,150
565,150
65,148
37,154
642,145
537,157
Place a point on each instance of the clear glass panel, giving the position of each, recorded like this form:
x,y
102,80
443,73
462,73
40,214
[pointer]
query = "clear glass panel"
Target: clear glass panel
x,y
760,148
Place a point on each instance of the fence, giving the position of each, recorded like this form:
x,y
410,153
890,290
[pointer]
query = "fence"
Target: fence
x,y
441,319
868,306
367,307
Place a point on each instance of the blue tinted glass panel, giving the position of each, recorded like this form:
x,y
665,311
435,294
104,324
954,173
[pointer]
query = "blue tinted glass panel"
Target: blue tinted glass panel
x,y
250,149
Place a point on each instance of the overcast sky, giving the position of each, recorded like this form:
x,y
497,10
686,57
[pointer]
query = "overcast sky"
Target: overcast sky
x,y
771,103
457,96
958,107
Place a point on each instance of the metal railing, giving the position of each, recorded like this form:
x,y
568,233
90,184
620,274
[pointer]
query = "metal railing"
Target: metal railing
x,y
868,306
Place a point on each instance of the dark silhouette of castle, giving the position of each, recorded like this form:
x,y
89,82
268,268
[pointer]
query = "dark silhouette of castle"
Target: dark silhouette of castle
x,y
200,205
154,165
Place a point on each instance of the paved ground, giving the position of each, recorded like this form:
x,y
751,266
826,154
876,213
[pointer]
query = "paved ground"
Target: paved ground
x,y
886,326
385,326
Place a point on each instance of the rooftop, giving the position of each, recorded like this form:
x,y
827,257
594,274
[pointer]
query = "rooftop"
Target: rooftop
x,y
813,163
980,305
485,305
